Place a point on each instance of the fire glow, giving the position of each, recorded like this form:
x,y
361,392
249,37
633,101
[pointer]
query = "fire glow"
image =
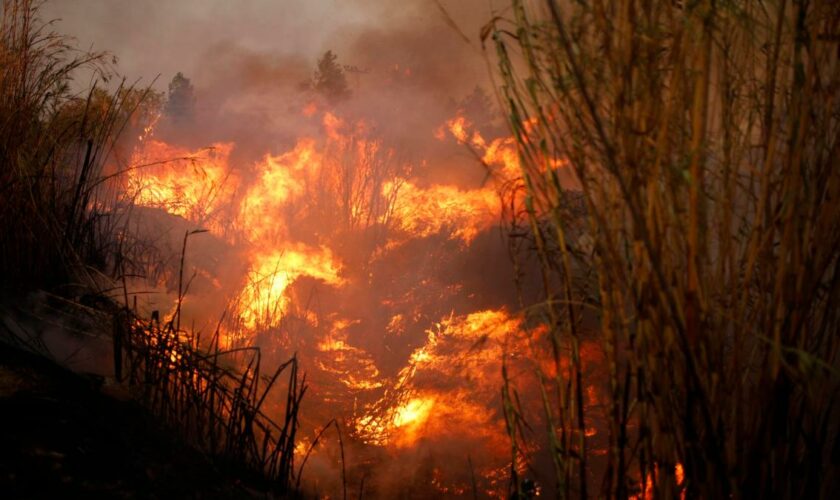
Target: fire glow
x,y
447,387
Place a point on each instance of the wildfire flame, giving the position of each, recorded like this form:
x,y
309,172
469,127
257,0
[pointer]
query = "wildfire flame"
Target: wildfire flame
x,y
263,301
464,214
192,184
337,186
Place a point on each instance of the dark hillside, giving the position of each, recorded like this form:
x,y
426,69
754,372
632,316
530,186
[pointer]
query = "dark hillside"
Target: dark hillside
x,y
63,436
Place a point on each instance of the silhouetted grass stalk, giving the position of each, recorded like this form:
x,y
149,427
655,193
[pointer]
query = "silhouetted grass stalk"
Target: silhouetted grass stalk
x,y
704,136
214,406
60,213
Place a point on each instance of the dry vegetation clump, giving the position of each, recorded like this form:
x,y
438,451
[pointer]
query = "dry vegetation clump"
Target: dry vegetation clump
x,y
59,211
211,404
214,398
704,136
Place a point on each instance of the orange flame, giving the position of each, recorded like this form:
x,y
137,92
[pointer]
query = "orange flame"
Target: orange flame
x,y
422,212
263,301
411,403
192,184
282,179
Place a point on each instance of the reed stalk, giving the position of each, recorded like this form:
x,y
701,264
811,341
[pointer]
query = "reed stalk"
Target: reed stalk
x,y
704,137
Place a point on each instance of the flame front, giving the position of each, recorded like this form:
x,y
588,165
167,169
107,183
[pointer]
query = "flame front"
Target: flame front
x,y
322,232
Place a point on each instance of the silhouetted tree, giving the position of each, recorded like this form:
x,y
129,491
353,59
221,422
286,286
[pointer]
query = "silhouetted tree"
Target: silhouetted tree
x,y
329,79
181,103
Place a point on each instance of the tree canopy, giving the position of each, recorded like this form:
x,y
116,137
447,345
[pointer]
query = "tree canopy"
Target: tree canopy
x,y
180,106
329,79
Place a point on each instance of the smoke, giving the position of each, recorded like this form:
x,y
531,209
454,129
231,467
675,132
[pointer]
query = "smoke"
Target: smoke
x,y
159,37
154,37
247,61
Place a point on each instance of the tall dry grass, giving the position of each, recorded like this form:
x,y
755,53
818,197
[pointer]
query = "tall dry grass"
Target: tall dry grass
x,y
215,399
59,213
704,138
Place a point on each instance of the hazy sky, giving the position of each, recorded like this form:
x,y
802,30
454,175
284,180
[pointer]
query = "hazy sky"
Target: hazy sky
x,y
151,37
248,58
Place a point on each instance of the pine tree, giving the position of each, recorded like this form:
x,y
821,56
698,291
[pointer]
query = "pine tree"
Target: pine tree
x,y
181,103
329,79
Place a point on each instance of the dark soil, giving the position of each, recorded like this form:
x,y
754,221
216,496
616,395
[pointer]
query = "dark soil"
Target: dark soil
x,y
62,436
